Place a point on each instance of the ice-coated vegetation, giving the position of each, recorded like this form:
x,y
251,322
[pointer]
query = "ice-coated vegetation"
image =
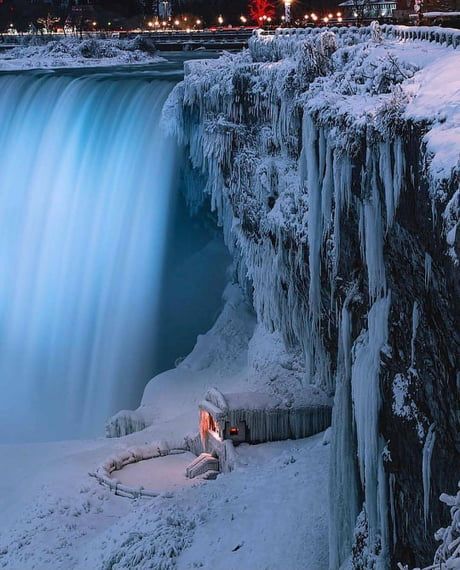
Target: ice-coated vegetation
x,y
307,144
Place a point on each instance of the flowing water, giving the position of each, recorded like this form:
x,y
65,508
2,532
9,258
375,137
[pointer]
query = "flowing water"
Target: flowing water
x,y
86,182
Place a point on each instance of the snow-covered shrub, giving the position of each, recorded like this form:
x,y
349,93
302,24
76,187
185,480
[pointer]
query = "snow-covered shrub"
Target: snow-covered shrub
x,y
363,555
314,58
376,31
448,554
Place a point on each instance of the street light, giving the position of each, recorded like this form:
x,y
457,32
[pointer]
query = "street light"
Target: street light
x,y
243,19
287,11
220,20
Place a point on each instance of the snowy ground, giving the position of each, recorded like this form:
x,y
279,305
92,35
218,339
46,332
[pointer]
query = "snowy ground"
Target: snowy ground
x,y
159,473
73,52
270,513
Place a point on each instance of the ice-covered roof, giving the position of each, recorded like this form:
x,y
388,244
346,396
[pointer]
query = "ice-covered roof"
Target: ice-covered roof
x,y
219,404
252,401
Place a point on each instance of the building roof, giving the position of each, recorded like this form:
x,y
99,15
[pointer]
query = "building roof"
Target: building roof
x,y
219,404
356,3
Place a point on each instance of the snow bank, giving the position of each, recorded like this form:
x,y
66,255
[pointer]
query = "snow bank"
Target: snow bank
x,y
73,52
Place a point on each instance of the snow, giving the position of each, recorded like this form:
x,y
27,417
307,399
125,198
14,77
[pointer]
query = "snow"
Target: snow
x,y
251,401
159,474
74,52
271,514
437,14
54,516
275,507
436,95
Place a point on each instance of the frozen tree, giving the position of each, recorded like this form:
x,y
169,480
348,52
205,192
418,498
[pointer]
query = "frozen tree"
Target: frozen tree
x,y
448,553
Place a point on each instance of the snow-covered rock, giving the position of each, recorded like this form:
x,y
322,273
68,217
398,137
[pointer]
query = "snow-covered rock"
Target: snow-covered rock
x,y
323,159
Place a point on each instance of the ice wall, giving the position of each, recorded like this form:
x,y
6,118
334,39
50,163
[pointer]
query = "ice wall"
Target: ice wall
x,y
85,186
331,204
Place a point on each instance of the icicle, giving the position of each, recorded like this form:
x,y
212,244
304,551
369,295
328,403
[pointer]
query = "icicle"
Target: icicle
x,y
398,170
367,402
373,231
310,137
386,174
428,263
343,472
415,322
426,471
392,482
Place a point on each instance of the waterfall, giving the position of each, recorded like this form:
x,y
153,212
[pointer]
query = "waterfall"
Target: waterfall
x,y
85,190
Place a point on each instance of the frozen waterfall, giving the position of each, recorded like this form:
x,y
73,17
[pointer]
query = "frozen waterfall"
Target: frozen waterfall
x,y
85,191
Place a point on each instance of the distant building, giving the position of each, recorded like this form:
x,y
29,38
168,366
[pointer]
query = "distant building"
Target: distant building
x,y
406,11
164,9
81,15
365,10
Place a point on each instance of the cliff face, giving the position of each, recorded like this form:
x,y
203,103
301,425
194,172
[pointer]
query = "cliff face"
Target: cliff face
x,y
339,201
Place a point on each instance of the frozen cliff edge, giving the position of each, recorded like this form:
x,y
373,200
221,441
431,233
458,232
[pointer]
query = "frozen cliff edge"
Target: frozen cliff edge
x,y
331,158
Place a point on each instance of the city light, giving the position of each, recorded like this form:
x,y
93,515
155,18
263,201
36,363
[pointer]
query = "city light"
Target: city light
x,y
314,17
220,20
326,19
306,16
339,14
339,19
198,22
330,16
243,19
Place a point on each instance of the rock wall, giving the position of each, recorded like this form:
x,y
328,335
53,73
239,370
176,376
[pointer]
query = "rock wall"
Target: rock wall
x,y
345,236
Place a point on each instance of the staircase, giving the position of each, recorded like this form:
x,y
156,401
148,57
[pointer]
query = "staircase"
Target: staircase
x,y
202,464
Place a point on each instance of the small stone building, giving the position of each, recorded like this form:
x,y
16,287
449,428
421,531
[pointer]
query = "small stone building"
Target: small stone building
x,y
252,417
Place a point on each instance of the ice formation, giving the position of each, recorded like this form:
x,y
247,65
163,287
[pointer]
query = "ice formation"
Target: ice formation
x,y
311,146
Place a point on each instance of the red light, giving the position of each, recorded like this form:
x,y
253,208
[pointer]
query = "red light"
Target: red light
x,y
233,431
